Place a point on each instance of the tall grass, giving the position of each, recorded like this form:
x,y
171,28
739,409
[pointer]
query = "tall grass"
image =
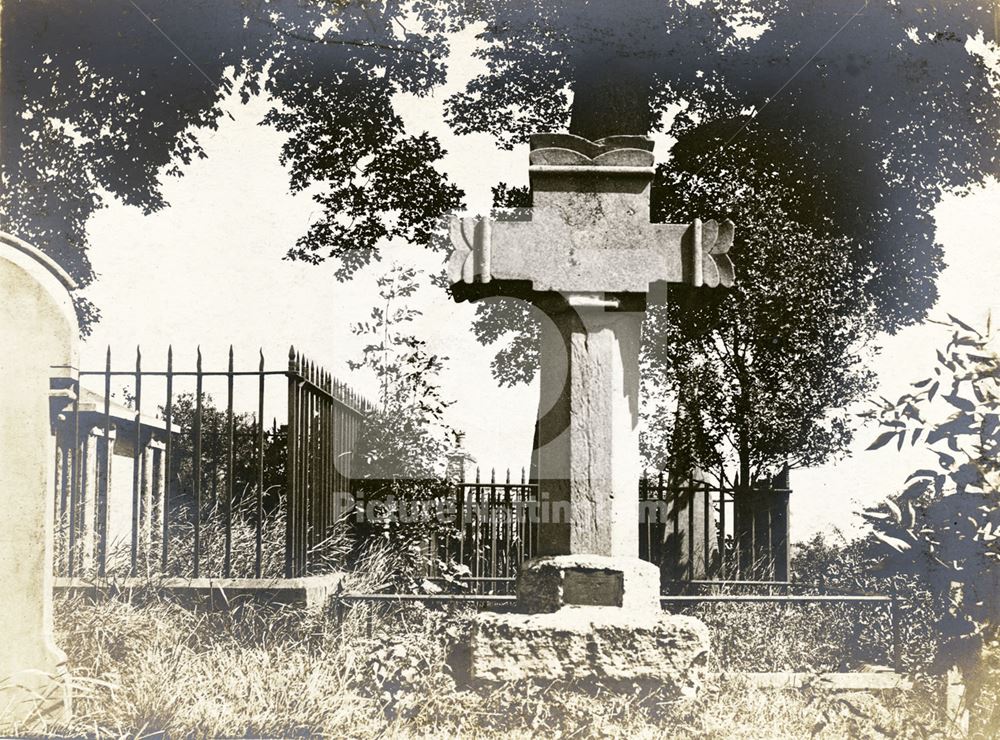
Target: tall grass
x,y
328,555
373,670
381,670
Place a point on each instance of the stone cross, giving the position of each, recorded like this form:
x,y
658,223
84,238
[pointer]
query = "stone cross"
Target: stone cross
x,y
587,255
39,331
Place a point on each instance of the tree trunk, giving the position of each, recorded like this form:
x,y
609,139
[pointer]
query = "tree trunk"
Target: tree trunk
x,y
610,97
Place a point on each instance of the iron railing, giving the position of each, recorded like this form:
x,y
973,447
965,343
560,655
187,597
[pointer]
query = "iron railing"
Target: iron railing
x,y
192,465
700,529
688,526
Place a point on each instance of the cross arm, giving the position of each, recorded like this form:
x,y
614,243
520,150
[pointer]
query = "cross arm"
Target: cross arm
x,y
595,257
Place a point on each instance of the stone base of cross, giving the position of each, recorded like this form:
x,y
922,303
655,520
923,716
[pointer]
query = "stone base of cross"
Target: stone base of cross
x,y
588,257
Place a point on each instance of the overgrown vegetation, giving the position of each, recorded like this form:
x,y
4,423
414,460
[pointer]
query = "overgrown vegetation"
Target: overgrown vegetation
x,y
404,442
327,555
381,670
943,528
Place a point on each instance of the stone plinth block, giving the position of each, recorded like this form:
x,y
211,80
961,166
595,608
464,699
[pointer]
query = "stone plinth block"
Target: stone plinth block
x,y
549,583
583,645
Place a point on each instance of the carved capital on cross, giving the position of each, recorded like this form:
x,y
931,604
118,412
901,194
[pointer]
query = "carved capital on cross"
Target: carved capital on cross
x,y
589,229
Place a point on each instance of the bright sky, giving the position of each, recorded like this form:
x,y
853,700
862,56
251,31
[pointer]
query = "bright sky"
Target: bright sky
x,y
209,271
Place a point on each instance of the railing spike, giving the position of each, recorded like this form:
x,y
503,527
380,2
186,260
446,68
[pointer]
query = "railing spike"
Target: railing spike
x,y
291,352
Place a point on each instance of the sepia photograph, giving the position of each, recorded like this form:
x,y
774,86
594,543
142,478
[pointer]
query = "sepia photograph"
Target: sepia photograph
x,y
500,369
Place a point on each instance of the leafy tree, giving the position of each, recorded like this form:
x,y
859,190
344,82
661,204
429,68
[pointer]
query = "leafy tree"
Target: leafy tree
x,y
860,114
831,184
767,370
944,526
105,99
864,111
215,451
404,440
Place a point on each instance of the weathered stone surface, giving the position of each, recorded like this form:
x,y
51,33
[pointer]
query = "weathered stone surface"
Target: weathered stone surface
x,y
549,583
589,229
588,432
586,644
587,255
38,330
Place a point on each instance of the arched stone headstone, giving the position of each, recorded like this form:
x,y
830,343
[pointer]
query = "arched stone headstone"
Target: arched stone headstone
x,y
38,332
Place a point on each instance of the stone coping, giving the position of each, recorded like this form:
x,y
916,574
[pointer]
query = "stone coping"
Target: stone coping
x,y
39,256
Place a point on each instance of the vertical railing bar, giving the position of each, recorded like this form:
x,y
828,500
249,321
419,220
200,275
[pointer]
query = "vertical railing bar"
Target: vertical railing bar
x,y
303,494
196,560
302,416
168,422
492,522
461,516
310,522
259,498
136,464
304,440
334,442
328,441
477,534
529,514
306,468
290,465
317,495
74,486
722,526
314,433
320,517
321,451
305,423
320,495
105,487
324,457
227,562
690,524
509,527
302,449
706,527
